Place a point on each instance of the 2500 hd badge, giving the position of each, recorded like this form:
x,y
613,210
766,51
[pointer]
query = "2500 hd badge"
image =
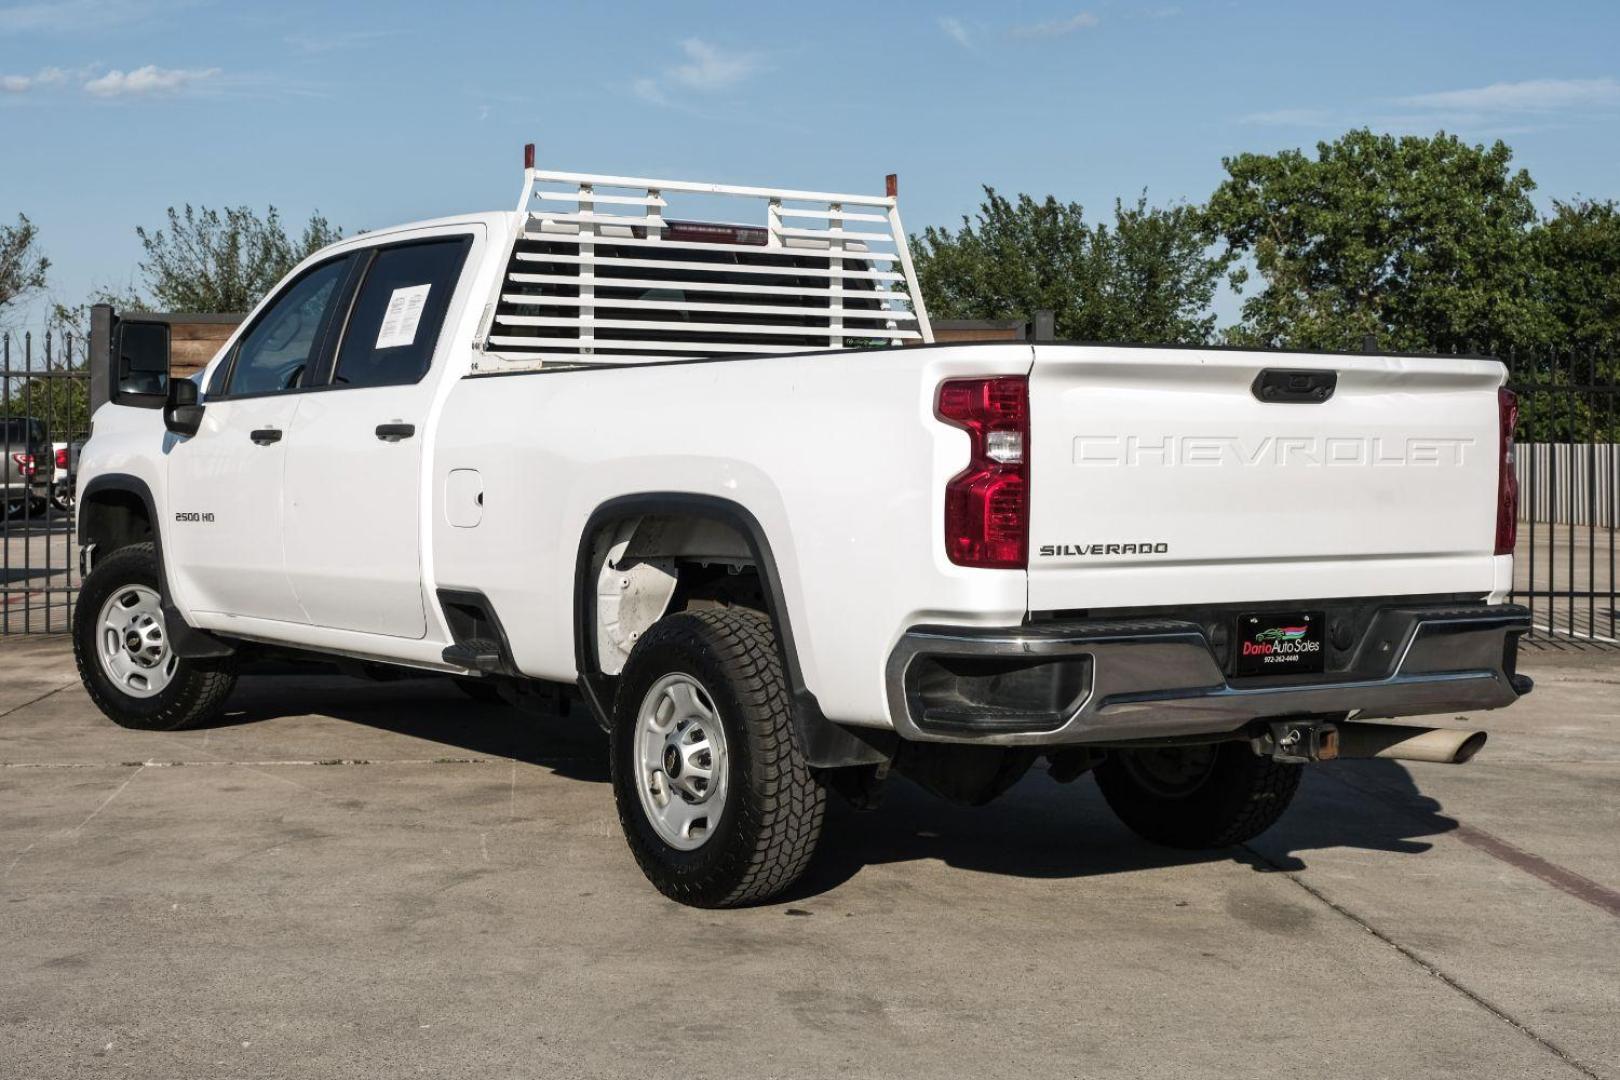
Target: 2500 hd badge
x,y
1145,547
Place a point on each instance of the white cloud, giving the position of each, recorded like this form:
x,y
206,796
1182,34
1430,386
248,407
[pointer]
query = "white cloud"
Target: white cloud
x,y
319,44
1085,20
956,31
21,84
1532,95
73,16
150,79
709,68
1495,110
649,91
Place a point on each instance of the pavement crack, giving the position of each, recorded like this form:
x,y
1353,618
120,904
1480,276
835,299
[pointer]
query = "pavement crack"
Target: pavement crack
x,y
1428,966
1561,878
77,829
36,701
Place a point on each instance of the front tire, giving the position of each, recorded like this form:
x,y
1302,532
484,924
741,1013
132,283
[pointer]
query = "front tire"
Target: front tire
x,y
1197,796
714,795
124,656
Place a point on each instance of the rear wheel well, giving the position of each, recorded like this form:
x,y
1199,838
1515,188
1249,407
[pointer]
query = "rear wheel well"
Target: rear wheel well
x,y
646,566
643,557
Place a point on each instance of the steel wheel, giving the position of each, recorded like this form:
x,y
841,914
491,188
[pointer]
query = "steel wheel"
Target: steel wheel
x,y
681,761
1171,772
131,644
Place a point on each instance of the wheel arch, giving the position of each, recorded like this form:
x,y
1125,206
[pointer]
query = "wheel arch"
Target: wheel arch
x,y
825,743
117,510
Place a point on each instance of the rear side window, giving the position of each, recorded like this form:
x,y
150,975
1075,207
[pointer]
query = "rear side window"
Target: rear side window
x,y
398,313
279,351
21,432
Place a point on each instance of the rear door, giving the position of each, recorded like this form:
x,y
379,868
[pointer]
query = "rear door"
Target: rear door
x,y
352,509
1167,477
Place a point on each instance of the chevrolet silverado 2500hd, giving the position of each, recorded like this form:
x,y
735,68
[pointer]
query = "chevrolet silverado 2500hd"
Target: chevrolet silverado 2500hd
x,y
691,472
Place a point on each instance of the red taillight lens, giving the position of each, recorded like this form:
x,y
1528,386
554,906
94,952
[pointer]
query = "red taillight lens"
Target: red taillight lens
x,y
61,458
987,503
1507,483
25,464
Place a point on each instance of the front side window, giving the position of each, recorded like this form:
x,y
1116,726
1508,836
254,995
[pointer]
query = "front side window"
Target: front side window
x,y
398,312
279,352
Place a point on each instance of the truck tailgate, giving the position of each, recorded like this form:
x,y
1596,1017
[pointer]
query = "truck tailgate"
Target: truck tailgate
x,y
1159,477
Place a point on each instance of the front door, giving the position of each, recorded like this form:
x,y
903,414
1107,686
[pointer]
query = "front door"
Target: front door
x,y
352,505
222,548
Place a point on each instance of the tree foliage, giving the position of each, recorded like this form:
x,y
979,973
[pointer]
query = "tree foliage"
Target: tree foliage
x,y
1423,243
1150,277
1576,253
22,264
215,261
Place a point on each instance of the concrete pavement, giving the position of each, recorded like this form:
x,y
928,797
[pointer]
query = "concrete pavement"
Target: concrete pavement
x,y
381,880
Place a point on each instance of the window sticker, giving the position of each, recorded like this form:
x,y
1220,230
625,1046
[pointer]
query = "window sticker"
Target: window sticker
x,y
403,314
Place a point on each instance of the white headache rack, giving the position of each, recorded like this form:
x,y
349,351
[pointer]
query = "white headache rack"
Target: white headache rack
x,y
602,272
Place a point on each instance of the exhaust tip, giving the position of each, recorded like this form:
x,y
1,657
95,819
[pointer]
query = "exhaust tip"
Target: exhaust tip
x,y
1469,747
1442,746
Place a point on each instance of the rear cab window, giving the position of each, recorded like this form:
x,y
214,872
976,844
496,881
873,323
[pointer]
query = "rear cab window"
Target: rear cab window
x,y
398,312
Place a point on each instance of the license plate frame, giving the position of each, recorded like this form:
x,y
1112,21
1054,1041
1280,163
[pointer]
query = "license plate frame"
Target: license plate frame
x,y
1269,644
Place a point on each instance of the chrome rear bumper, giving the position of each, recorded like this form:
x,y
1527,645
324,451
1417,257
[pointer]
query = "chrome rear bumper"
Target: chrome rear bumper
x,y
1071,683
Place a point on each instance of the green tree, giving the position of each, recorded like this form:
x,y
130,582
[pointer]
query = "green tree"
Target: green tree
x,y
1577,268
1421,242
1148,278
22,264
215,261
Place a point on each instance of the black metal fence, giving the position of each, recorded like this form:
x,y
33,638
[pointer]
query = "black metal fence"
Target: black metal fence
x,y
45,406
1568,465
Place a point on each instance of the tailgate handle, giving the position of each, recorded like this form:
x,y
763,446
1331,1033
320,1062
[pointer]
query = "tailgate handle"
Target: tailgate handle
x,y
1293,386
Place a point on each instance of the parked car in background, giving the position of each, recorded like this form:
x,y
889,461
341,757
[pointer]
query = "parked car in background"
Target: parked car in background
x,y
64,473
25,472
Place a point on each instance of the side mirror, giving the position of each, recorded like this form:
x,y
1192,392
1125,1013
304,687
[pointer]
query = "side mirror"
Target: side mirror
x,y
182,411
140,363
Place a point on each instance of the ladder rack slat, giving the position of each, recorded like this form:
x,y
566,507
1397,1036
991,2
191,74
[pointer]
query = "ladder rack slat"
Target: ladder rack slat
x,y
710,268
697,305
569,260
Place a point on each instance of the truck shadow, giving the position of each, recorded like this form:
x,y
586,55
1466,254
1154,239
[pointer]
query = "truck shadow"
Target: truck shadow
x,y
1042,829
431,709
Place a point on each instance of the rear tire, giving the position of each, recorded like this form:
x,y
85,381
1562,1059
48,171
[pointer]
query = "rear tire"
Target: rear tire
x,y
125,660
714,795
1197,796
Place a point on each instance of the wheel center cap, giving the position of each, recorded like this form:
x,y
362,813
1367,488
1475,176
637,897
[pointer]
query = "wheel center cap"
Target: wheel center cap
x,y
132,641
672,762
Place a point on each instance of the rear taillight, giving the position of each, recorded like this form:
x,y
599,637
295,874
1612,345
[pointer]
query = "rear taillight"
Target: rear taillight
x,y
61,458
25,464
987,503
1507,480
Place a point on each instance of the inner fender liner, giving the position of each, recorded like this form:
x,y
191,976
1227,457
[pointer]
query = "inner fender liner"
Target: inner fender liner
x,y
825,743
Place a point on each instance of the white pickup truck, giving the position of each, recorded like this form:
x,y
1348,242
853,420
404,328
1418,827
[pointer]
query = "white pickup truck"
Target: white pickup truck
x,y
718,481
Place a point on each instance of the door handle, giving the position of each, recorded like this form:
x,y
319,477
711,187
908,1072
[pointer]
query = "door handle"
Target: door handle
x,y
395,432
265,436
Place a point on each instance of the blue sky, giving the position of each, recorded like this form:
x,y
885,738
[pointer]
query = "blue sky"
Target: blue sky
x,y
112,110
